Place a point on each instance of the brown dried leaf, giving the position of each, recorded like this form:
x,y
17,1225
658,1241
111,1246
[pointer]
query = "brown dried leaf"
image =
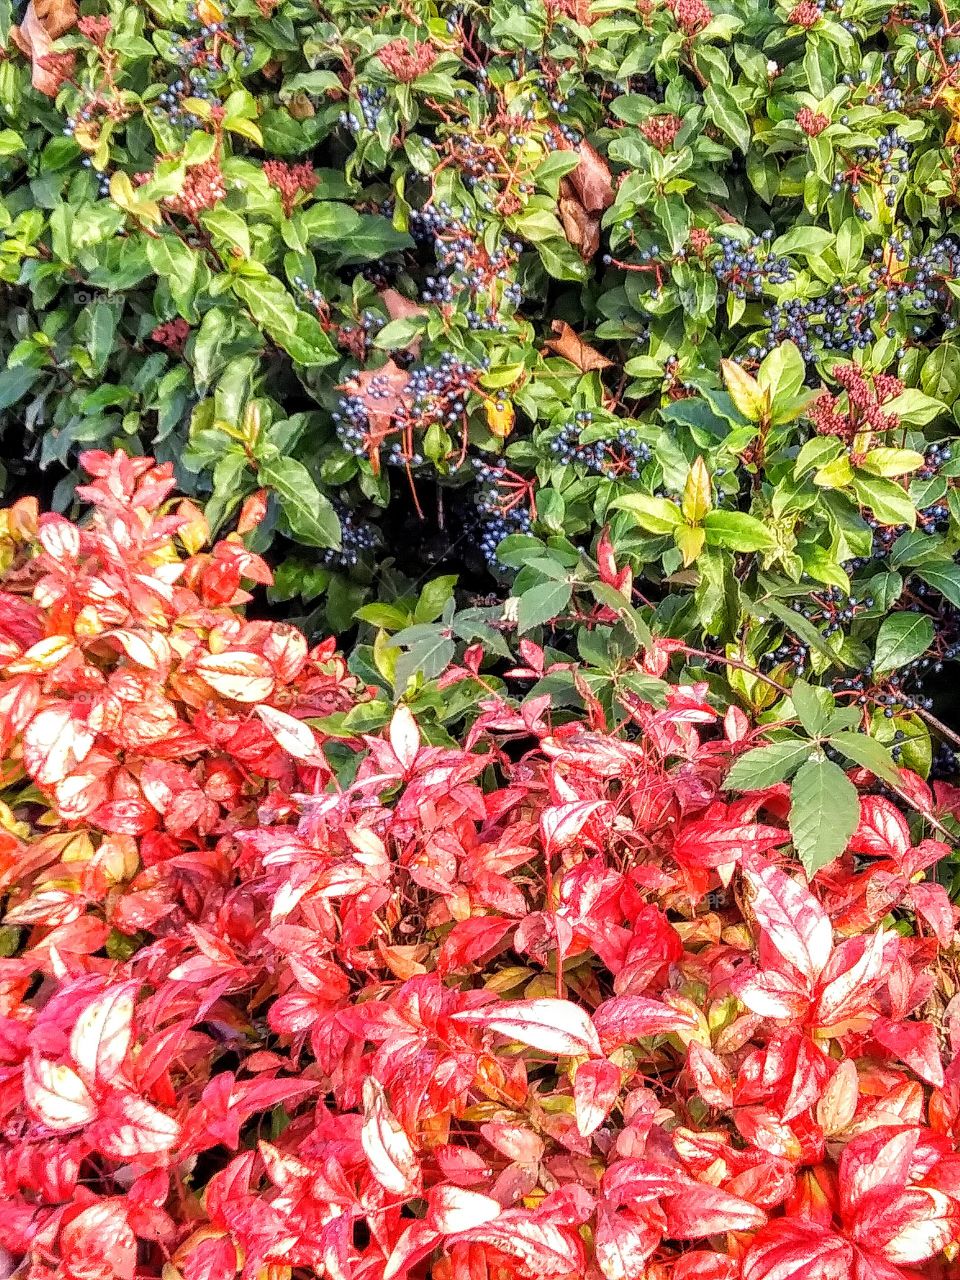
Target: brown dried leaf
x,y
44,22
383,393
570,346
581,228
591,179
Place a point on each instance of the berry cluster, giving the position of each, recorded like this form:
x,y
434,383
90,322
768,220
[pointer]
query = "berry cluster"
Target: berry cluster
x,y
745,270
356,539
470,266
371,102
622,457
505,503
877,166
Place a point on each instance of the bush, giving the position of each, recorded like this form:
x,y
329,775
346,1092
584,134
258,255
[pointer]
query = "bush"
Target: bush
x,y
547,1002
688,271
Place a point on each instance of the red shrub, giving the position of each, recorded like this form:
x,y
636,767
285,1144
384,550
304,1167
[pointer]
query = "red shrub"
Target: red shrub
x,y
466,1015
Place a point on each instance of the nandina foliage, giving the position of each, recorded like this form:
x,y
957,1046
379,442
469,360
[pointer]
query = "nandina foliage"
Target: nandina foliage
x,y
544,1004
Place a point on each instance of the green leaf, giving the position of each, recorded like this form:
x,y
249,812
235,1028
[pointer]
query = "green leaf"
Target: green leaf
x,y
268,303
813,706
945,578
434,597
888,502
656,515
541,604
824,813
901,638
309,513
608,595
866,752
737,531
766,766
725,112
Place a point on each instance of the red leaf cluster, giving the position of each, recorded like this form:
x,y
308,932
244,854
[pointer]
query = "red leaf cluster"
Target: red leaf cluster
x,y
544,1004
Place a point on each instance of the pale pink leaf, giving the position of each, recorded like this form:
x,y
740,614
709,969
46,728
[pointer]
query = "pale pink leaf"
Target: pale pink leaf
x,y
455,1209
404,736
552,1026
838,1102
703,1210
295,737
710,1075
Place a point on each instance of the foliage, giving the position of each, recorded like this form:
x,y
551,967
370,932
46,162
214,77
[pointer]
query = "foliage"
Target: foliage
x,y
521,272
545,1002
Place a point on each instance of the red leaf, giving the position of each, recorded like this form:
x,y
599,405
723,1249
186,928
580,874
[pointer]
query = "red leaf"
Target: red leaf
x,y
915,1043
883,830
596,1087
792,1250
626,1018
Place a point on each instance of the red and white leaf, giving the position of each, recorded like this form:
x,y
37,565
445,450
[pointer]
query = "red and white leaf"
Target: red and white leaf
x,y
239,674
455,1209
703,1210
790,916
54,743
882,831
130,1127
791,1249
627,1018
552,1026
391,1157
713,1080
404,736
102,1033
56,1095
596,1087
